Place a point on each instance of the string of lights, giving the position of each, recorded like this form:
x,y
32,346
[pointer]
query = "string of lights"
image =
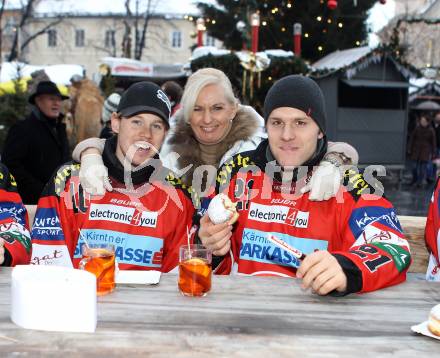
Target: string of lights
x,y
325,27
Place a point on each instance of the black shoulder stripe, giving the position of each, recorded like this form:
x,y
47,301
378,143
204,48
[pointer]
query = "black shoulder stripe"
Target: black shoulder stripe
x,y
58,182
231,167
356,184
7,181
187,190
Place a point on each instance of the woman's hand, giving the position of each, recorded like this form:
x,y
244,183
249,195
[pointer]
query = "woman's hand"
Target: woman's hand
x,y
324,183
93,174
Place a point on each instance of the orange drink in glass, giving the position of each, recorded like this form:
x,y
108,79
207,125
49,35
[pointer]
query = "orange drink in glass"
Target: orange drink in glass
x,y
194,270
99,259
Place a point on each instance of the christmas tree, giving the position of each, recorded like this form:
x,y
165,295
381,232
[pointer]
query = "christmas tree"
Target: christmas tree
x,y
324,29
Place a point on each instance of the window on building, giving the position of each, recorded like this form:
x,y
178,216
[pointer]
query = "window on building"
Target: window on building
x,y
52,38
210,41
79,38
110,38
176,39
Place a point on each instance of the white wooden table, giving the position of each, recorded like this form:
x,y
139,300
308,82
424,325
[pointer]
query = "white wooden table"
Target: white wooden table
x,y
242,317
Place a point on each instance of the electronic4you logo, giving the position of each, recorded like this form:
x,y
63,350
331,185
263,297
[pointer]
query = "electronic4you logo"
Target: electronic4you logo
x,y
278,214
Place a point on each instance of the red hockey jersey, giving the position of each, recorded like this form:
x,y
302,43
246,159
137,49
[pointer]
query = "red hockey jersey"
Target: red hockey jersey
x,y
361,230
14,224
147,225
432,237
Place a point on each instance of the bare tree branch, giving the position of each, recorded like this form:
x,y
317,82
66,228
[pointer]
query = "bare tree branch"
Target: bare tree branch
x,y
40,32
126,38
111,51
25,14
141,44
2,9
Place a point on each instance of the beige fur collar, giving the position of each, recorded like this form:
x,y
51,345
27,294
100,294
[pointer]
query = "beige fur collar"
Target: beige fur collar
x,y
183,142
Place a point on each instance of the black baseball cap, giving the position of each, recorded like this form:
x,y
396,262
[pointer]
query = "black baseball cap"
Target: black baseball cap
x,y
145,97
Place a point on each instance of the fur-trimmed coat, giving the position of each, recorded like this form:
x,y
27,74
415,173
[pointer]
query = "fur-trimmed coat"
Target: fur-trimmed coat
x,y
245,134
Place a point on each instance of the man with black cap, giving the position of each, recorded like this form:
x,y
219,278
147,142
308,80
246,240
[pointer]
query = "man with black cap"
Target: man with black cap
x,y
38,145
352,243
145,216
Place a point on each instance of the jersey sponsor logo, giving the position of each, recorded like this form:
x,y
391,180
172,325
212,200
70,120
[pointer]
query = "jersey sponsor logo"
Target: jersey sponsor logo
x,y
278,214
283,201
255,247
14,210
362,217
400,256
47,225
433,271
125,202
56,255
123,215
13,231
130,249
372,234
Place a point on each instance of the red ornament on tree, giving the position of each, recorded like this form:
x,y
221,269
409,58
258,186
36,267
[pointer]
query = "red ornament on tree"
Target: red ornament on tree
x,y
383,2
332,4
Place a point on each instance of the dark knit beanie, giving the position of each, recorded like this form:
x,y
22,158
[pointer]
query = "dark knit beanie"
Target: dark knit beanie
x,y
298,92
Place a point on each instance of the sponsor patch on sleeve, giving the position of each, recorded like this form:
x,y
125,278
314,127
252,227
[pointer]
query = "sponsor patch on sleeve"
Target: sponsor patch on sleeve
x,y
56,255
47,225
364,216
401,257
14,210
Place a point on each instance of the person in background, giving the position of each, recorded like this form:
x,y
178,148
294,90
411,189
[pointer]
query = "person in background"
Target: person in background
x,y
174,92
352,245
37,146
422,148
145,217
432,237
210,128
110,106
15,240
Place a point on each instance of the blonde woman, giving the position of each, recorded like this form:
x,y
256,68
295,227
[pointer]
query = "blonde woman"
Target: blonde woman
x,y
209,129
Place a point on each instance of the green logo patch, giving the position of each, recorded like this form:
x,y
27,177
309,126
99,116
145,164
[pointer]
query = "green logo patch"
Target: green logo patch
x,y
401,257
11,236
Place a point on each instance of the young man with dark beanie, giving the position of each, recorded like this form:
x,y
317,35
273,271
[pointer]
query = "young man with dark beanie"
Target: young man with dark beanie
x,y
353,243
145,216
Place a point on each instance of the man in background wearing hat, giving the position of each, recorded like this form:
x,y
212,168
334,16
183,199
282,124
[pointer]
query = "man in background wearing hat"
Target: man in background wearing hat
x,y
38,145
145,216
352,245
110,106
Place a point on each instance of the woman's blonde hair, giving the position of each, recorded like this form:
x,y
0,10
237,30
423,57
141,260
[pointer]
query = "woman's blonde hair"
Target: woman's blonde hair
x,y
200,79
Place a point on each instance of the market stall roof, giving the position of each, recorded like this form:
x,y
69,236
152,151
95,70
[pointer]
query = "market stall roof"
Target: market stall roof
x,y
340,59
353,60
